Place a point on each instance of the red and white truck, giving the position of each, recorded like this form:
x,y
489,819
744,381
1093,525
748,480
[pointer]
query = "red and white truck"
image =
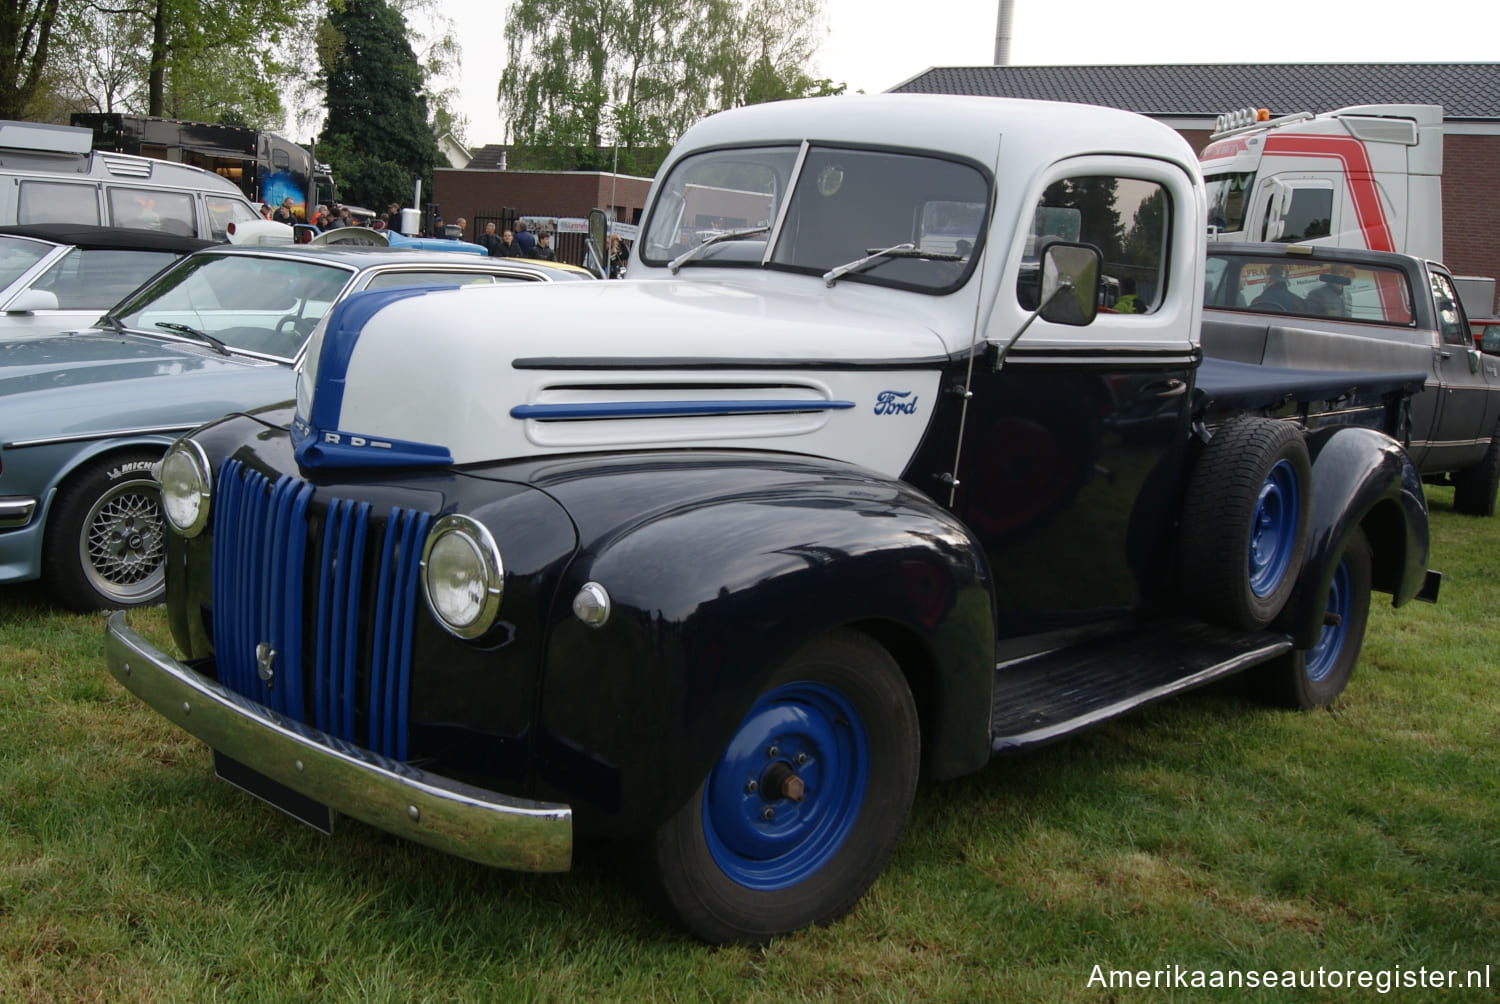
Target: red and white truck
x,y
1367,176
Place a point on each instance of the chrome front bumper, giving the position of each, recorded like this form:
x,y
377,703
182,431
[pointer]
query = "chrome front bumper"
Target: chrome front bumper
x,y
454,817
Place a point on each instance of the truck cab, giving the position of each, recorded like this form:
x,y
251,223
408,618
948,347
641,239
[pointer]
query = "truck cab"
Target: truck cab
x,y
1367,176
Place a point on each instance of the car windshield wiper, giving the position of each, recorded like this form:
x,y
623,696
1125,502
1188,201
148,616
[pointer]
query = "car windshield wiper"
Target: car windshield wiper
x,y
894,251
113,322
184,329
728,235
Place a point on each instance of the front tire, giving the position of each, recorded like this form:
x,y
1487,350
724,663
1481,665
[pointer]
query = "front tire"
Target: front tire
x,y
105,541
806,803
1313,677
1474,488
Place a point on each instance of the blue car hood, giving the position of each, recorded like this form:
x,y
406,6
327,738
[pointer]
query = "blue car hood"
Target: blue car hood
x,y
98,382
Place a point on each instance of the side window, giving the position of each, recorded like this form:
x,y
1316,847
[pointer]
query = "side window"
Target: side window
x,y
149,209
1127,219
1450,313
1306,214
222,212
91,278
51,202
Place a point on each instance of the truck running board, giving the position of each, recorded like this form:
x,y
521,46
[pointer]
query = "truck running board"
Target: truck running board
x,y
1044,697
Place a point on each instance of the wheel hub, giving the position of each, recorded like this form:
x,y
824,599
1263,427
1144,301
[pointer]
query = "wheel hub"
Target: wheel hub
x,y
781,781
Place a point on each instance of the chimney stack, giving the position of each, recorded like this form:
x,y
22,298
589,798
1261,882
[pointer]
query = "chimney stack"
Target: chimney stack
x,y
1002,32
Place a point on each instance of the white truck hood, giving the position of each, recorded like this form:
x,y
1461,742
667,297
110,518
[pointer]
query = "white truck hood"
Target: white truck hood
x,y
413,377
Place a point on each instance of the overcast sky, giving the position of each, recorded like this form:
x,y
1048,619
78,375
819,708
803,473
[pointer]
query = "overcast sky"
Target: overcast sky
x,y
872,45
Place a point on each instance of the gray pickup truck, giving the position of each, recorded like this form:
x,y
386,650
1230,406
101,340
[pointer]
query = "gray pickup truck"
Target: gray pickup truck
x,y
1346,309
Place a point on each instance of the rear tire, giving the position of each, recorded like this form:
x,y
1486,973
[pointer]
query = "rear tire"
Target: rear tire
x,y
1244,523
1474,488
1313,677
105,542
747,858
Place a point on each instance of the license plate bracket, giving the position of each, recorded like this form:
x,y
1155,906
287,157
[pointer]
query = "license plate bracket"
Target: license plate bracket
x,y
307,811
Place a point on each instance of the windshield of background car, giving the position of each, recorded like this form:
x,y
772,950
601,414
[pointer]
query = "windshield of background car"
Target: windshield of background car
x,y
262,305
17,255
843,205
1228,198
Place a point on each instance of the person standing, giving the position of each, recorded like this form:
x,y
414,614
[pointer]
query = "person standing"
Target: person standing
x,y
284,213
393,217
508,246
525,240
544,247
490,241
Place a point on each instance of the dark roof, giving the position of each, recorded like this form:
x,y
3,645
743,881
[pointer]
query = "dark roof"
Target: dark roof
x,y
488,157
1465,90
108,238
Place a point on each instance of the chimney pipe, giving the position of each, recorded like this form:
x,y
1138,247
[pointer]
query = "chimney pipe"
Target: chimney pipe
x,y
1002,32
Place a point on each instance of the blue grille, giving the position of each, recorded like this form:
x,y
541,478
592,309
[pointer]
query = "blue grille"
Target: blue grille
x,y
336,605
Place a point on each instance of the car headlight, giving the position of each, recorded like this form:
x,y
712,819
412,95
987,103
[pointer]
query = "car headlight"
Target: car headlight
x,y
462,576
186,487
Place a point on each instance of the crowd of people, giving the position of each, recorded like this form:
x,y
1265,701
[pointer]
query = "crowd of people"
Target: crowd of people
x,y
517,243
520,242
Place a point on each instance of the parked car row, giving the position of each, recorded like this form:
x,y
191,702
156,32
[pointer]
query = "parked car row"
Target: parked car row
x,y
85,413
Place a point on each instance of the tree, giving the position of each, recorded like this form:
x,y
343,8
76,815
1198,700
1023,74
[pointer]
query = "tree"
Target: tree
x,y
189,59
25,36
376,136
592,81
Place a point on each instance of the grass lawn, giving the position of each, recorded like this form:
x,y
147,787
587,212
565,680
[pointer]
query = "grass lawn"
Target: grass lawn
x,y
1207,833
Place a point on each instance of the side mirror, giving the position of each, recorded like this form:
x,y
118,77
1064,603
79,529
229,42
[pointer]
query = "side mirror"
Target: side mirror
x,y
1070,283
594,255
1279,200
30,300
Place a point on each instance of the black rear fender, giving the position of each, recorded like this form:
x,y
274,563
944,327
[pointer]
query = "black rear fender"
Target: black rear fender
x,y
1361,478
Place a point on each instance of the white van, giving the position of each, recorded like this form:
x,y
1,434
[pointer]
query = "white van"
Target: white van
x,y
50,174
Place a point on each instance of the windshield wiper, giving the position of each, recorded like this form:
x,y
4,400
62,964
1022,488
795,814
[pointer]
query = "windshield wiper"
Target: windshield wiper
x,y
113,322
184,329
728,235
895,250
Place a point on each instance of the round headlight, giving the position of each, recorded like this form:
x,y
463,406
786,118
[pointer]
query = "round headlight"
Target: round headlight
x,y
186,486
462,576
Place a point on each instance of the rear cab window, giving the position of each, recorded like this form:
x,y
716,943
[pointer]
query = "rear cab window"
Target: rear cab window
x,y
1307,288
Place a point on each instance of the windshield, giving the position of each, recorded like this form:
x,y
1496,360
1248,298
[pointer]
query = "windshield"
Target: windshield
x,y
253,304
843,205
1228,198
17,255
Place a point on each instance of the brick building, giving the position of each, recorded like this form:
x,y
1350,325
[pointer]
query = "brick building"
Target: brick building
x,y
1187,97
485,189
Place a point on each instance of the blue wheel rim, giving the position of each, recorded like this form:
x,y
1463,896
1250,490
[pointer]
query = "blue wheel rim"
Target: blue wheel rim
x,y
759,837
1273,529
1323,656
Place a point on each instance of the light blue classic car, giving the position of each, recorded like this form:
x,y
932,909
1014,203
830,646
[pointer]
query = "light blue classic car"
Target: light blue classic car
x,y
84,415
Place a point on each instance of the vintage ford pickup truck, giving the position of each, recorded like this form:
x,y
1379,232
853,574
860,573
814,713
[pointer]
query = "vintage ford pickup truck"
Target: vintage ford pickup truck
x,y
850,480
1351,309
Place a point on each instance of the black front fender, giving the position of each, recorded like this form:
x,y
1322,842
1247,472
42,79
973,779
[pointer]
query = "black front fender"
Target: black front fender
x,y
718,568
1361,478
